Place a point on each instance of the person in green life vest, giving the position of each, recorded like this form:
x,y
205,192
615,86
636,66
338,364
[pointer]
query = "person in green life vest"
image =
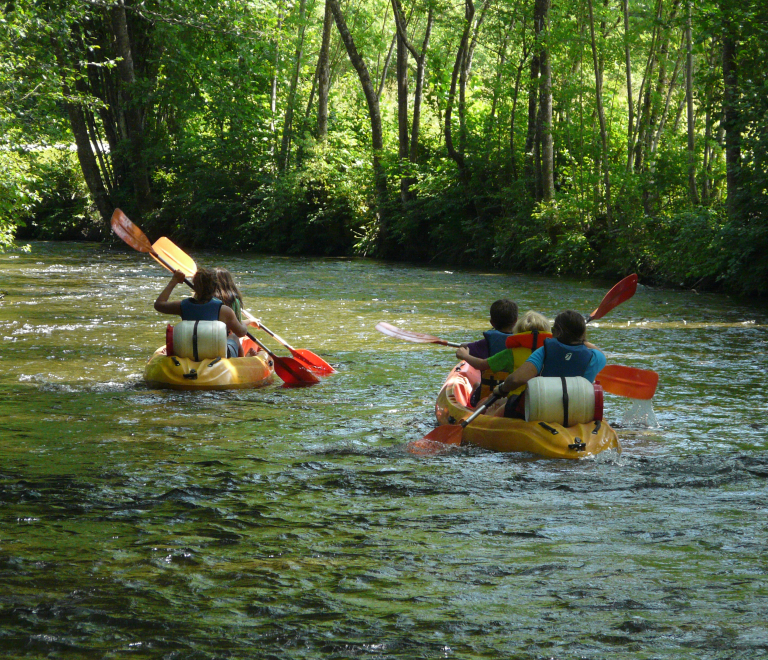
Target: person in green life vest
x,y
529,333
503,319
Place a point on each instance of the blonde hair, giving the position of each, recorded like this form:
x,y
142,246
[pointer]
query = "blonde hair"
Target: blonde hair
x,y
532,321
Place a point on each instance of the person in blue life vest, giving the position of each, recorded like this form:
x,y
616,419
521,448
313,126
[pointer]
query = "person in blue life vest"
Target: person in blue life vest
x,y
530,332
203,307
566,354
503,319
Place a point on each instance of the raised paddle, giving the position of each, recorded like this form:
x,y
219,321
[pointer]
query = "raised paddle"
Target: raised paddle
x,y
137,239
450,434
622,291
408,335
288,369
174,255
628,381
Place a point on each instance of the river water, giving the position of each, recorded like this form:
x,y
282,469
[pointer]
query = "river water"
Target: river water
x,y
293,523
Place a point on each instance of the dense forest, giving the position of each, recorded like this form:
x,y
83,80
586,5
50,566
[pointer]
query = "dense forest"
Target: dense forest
x,y
592,137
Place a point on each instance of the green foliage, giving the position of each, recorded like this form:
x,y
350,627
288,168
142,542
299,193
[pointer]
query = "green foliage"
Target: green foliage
x,y
554,238
17,194
213,84
688,247
322,208
61,209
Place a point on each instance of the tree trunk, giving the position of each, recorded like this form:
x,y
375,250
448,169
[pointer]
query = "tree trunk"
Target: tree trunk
x,y
377,136
692,192
324,75
544,123
132,110
285,146
630,103
530,138
88,164
731,123
600,115
458,67
419,91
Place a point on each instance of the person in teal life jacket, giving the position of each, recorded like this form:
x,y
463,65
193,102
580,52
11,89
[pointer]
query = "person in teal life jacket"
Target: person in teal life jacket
x,y
503,319
566,354
203,307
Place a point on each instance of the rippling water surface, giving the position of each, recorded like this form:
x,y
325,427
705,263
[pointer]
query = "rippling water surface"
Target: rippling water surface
x,y
293,523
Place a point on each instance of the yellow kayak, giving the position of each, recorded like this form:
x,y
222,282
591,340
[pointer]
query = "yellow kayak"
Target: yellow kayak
x,y
211,374
516,435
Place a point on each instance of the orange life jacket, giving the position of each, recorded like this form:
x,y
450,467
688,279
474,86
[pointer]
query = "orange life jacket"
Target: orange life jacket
x,y
521,345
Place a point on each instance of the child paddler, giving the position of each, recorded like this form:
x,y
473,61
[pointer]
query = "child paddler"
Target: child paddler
x,y
567,353
503,319
529,333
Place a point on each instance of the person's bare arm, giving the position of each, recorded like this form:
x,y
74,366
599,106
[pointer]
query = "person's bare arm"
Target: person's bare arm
x,y
519,377
162,304
229,318
478,363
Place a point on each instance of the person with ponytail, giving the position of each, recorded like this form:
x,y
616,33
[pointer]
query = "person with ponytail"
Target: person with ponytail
x,y
227,291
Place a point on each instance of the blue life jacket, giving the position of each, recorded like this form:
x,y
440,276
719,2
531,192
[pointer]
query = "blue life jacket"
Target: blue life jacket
x,y
564,360
497,341
193,311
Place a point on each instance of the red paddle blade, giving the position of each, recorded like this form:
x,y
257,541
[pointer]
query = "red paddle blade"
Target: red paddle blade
x,y
624,290
293,373
449,434
312,362
129,232
628,381
408,335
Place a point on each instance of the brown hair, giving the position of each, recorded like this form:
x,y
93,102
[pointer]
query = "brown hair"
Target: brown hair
x,y
570,327
503,314
226,289
204,283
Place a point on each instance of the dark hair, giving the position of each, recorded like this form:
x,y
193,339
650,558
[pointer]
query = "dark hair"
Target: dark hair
x,y
204,282
226,289
503,314
569,327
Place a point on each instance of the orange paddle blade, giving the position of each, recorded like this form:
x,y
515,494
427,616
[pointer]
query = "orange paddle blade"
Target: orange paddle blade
x,y
129,232
173,256
311,361
449,434
628,381
424,447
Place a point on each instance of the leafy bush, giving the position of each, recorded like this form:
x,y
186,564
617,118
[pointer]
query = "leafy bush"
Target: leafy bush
x,y
321,208
16,194
62,208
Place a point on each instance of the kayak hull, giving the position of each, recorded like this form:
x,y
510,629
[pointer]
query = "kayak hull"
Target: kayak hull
x,y
502,434
178,373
